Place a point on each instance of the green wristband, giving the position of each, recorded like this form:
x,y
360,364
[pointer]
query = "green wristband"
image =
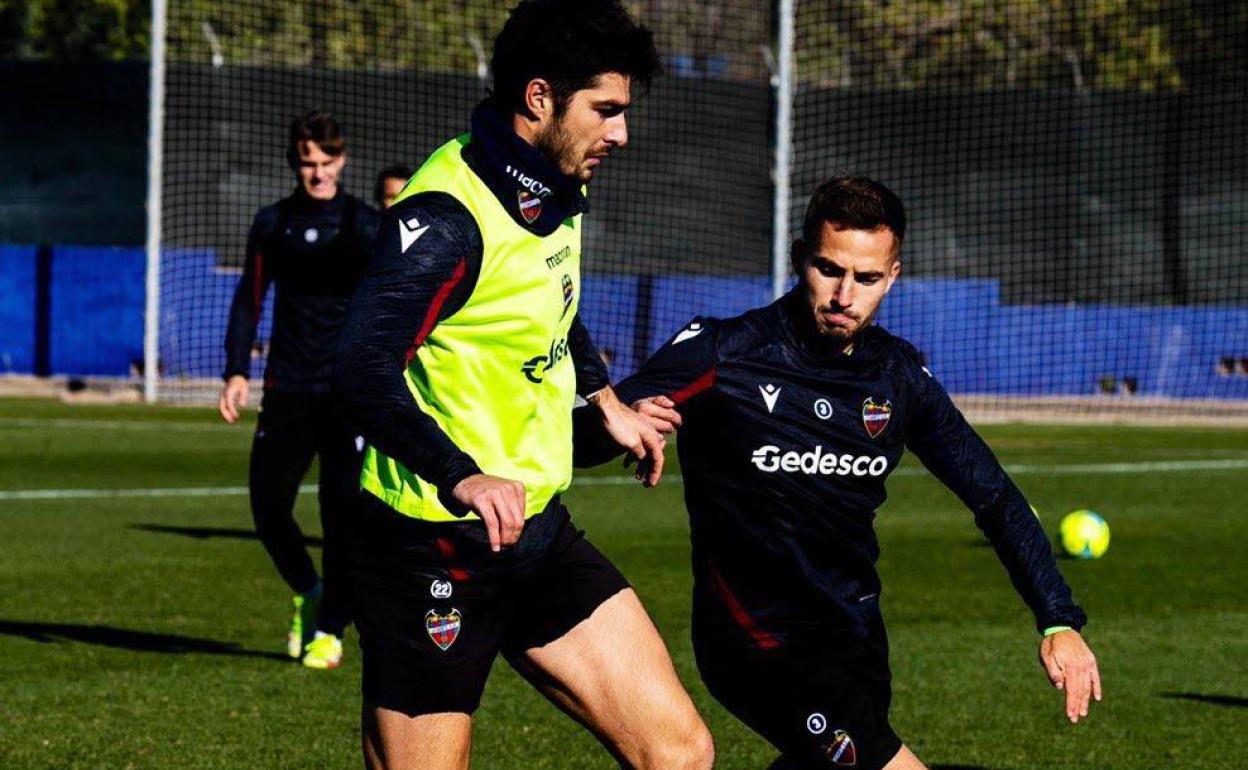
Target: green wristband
x,y
1056,629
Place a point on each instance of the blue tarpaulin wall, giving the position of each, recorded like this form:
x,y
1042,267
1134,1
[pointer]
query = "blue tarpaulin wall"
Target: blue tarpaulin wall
x,y
973,343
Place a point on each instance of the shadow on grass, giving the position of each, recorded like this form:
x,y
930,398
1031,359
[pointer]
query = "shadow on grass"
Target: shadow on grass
x,y
125,639
203,533
782,763
1217,700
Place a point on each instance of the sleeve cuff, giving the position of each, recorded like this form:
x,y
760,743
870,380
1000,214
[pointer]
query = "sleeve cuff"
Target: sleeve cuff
x,y
1056,629
462,468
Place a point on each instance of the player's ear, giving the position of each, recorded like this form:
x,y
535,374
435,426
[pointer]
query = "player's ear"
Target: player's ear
x,y
894,271
539,99
797,254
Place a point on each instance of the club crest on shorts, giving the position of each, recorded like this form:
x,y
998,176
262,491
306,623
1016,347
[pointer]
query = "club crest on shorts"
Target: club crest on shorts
x,y
443,629
530,206
841,751
875,416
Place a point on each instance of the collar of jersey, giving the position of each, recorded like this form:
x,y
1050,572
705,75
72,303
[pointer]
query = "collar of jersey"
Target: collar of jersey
x,y
495,146
304,202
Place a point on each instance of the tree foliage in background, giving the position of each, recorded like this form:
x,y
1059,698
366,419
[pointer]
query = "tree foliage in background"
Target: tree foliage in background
x,y
1148,45
379,34
75,30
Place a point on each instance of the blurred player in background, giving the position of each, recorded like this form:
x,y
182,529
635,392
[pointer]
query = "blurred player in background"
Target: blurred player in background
x,y
390,181
313,246
791,418
462,357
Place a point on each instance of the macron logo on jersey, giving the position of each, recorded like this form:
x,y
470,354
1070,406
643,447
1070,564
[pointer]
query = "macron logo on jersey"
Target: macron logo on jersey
x,y
770,459
694,330
770,394
410,232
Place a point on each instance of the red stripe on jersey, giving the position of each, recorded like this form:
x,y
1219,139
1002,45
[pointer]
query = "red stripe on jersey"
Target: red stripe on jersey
x,y
694,388
435,307
257,287
764,640
447,549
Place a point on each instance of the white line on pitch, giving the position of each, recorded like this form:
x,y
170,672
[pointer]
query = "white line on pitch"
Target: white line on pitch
x,y
612,481
73,494
1020,469
1145,467
147,425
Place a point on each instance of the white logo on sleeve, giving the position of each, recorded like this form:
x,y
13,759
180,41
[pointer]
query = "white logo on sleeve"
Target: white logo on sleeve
x,y
770,394
694,330
311,235
410,232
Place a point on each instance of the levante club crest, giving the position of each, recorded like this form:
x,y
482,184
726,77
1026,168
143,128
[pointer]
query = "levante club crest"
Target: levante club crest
x,y
841,750
569,292
530,206
875,416
443,629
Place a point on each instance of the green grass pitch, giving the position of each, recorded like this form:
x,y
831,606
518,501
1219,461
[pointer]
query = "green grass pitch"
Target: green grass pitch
x,y
146,632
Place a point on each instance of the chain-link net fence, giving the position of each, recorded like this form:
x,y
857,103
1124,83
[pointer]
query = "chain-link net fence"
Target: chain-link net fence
x,y
1075,173
1077,183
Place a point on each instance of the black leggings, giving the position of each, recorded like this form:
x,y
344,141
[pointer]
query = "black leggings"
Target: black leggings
x,y
292,429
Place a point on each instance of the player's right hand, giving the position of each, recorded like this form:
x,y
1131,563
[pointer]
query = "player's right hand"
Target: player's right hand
x,y
233,398
1071,667
500,504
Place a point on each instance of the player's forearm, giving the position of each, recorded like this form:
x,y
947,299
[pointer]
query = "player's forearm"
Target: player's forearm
x,y
959,457
591,371
380,405
1024,550
240,335
591,443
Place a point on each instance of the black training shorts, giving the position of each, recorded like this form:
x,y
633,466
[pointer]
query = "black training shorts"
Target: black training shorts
x,y
434,606
823,703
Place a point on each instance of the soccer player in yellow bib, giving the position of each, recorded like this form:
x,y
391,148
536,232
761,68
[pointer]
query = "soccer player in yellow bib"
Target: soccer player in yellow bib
x,y
461,360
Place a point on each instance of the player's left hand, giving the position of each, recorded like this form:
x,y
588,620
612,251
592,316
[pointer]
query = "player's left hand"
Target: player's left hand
x,y
1071,666
631,431
660,412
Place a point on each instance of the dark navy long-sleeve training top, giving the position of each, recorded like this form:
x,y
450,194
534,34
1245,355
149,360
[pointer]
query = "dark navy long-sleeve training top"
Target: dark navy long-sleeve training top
x,y
785,449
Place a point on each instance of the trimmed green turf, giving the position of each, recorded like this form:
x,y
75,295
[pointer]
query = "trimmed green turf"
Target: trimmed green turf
x,y
147,632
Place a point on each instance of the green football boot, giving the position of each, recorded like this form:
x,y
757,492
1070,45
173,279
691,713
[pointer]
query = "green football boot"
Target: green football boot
x,y
324,651
303,624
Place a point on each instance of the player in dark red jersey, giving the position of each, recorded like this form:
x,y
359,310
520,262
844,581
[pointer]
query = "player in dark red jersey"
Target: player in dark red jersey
x,y
791,418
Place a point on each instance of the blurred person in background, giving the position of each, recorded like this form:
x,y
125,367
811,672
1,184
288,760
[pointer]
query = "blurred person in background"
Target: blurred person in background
x,y
312,246
390,181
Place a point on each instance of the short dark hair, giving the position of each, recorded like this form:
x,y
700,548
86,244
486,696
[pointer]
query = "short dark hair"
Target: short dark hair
x,y
393,171
568,43
316,126
853,203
